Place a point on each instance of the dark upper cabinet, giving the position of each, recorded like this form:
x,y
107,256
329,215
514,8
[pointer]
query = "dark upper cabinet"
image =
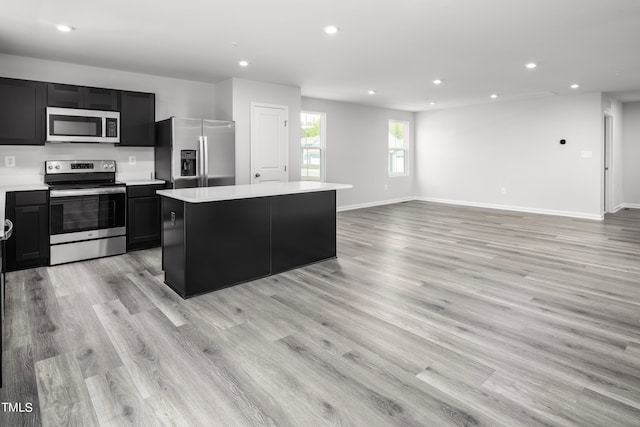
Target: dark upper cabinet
x,y
91,98
137,119
143,216
29,245
22,112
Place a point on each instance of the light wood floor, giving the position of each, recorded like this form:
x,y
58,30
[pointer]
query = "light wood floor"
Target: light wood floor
x,y
431,315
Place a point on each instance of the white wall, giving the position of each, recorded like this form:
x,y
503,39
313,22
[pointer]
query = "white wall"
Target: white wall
x,y
174,97
223,103
357,151
244,93
467,155
631,147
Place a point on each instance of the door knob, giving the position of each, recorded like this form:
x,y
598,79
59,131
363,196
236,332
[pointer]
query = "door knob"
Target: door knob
x,y
257,175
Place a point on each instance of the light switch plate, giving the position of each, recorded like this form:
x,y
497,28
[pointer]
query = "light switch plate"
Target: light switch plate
x,y
9,161
132,160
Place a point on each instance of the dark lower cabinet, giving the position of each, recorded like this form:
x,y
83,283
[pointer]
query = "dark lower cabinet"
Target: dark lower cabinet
x,y
303,229
22,112
29,245
143,217
3,296
209,246
212,245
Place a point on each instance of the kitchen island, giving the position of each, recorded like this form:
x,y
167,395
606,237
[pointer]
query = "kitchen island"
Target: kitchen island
x,y
214,237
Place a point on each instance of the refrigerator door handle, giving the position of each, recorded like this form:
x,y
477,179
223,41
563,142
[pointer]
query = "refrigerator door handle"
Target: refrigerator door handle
x,y
205,156
200,157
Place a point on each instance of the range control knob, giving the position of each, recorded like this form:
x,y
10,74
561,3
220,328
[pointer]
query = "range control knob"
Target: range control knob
x,y
50,167
57,166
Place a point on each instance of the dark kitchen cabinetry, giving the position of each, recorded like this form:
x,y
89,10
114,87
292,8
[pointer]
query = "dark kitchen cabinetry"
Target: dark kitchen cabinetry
x,y
137,119
29,246
143,216
296,221
22,112
209,246
91,98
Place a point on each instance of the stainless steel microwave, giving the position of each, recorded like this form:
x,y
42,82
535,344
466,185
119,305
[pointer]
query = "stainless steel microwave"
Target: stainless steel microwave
x,y
75,125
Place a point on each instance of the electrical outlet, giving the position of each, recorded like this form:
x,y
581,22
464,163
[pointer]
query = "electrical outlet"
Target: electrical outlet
x,y
9,161
132,160
503,190
386,187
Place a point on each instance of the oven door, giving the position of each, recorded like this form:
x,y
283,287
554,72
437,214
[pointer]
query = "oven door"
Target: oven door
x,y
84,214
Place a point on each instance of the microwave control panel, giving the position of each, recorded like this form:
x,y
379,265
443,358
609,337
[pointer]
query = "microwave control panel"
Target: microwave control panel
x,y
112,128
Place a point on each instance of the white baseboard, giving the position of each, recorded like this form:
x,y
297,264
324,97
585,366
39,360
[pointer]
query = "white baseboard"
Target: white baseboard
x,y
372,204
582,215
630,205
570,214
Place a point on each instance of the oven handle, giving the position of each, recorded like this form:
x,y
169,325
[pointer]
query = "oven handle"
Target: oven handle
x,y
87,191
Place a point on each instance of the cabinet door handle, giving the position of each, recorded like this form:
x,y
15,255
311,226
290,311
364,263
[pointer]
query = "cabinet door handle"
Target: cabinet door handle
x,y
9,230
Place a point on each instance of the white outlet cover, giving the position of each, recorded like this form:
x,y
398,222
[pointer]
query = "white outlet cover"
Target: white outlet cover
x,y
586,154
132,160
9,161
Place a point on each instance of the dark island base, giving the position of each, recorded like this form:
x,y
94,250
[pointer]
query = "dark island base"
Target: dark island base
x,y
213,245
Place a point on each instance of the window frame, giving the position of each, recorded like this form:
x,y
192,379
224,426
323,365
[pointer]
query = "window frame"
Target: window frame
x,y
405,149
322,147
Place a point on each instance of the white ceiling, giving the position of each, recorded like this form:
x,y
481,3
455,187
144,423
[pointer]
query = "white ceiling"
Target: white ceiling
x,y
396,47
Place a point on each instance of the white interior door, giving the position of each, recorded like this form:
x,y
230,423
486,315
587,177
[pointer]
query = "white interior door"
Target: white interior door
x,y
269,143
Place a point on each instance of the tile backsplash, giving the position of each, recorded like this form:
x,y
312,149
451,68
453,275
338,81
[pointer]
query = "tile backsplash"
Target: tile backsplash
x,y
29,161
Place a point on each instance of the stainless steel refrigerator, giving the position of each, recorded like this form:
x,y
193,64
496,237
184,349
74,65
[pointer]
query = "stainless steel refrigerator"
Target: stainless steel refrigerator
x,y
195,152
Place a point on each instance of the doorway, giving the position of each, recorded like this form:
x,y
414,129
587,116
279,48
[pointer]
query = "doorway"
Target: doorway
x,y
269,143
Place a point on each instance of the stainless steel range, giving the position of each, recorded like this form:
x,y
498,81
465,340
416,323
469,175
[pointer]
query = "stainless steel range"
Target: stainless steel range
x,y
87,213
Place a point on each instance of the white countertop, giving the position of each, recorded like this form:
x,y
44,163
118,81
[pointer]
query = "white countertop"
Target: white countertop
x,y
24,187
4,188
248,191
147,181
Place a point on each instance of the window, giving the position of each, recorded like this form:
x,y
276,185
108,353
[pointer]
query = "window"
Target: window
x,y
312,141
398,148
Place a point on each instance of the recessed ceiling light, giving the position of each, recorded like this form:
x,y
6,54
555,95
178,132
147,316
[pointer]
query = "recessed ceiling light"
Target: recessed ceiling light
x,y
531,65
437,81
575,86
64,28
372,92
243,63
494,96
331,29
432,103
